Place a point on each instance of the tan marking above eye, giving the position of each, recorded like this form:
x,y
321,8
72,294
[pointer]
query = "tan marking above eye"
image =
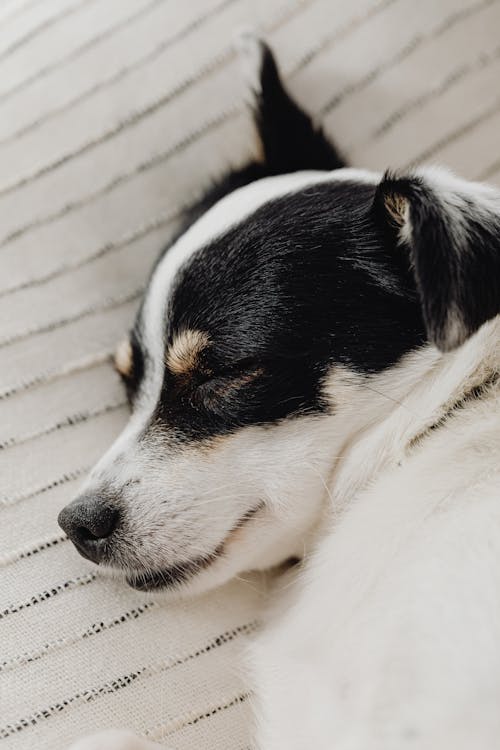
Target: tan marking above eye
x,y
183,354
123,357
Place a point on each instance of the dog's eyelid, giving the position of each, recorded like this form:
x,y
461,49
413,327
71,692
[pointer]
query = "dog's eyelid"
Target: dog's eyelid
x,y
238,368
246,363
232,375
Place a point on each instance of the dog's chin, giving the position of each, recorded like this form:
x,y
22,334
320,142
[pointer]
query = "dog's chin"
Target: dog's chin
x,y
173,577
181,574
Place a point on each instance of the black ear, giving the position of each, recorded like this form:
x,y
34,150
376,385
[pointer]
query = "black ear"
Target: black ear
x,y
451,231
289,139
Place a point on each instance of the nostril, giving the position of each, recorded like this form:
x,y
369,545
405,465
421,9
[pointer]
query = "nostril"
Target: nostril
x,y
85,534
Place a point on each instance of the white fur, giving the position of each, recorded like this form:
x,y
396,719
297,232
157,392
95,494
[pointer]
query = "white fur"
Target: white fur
x,y
393,632
391,637
395,626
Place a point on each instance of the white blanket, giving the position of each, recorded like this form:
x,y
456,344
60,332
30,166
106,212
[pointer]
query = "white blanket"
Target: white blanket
x,y
113,114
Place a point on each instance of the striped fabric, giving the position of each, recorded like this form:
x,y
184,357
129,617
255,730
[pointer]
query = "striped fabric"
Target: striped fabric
x,y
113,113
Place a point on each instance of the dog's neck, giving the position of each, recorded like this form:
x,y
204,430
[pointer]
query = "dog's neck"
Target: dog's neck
x,y
391,413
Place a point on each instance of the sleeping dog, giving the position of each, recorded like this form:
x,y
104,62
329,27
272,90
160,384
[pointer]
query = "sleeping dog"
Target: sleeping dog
x,y
316,362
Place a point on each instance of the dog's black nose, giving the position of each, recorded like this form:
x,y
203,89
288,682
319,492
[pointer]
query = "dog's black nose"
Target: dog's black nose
x,y
89,522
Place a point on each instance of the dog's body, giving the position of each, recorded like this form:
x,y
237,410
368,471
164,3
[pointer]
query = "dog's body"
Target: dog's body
x,y
392,638
326,344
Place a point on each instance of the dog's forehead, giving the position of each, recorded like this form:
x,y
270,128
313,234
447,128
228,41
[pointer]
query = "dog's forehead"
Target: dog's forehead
x,y
228,214
249,309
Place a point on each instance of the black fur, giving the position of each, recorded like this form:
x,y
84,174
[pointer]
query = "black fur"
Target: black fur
x,y
456,264
133,378
310,280
304,283
290,141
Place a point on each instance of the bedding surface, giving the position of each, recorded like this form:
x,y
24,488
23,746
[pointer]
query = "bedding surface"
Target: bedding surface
x,y
113,115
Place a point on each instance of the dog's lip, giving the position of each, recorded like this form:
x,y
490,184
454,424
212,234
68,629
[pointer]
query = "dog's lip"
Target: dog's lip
x,y
169,577
182,572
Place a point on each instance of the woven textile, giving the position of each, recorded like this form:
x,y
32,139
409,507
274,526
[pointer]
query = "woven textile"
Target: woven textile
x,y
113,113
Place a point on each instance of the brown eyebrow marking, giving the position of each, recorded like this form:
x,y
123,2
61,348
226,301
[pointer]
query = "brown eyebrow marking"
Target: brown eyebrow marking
x,y
183,354
124,357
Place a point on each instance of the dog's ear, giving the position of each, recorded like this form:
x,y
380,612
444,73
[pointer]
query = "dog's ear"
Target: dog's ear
x,y
450,230
289,138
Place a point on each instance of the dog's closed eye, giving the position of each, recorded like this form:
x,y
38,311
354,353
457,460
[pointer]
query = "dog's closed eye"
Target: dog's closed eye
x,y
192,360
216,389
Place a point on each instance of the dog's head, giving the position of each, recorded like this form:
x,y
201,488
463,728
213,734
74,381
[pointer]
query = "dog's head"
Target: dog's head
x,y
255,324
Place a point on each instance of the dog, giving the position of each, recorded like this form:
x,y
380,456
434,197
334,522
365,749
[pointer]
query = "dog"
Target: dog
x,y
315,364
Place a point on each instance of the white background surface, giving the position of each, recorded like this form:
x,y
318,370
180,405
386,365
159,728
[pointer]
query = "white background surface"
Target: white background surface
x,y
113,114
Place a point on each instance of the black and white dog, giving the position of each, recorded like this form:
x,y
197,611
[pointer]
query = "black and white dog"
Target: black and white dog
x,y
316,360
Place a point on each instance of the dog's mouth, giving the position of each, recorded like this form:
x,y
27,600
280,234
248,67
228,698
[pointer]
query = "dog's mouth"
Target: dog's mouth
x,y
174,576
180,573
